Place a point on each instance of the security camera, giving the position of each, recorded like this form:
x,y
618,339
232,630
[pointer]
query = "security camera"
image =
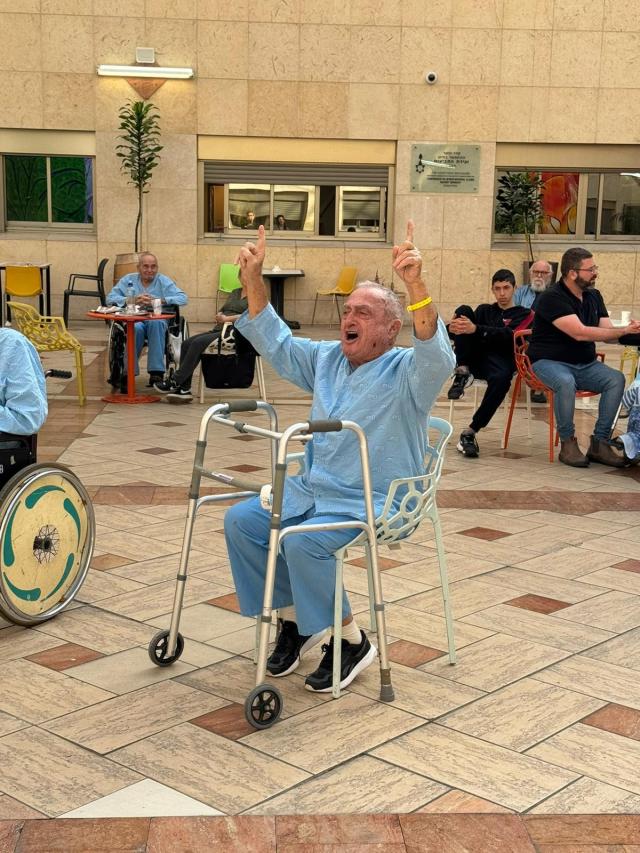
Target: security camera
x,y
431,77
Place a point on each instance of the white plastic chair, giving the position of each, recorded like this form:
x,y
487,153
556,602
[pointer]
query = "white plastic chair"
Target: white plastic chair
x,y
418,502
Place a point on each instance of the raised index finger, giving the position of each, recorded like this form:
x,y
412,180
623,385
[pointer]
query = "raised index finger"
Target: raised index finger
x,y
261,242
410,227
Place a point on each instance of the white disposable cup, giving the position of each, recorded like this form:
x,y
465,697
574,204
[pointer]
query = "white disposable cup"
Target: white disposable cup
x,y
625,317
157,306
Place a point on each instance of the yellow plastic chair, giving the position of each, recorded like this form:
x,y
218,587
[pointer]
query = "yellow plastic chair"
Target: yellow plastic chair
x,y
344,286
629,354
23,282
49,334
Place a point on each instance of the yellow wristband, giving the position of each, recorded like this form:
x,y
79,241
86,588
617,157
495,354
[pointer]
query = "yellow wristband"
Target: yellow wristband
x,y
422,304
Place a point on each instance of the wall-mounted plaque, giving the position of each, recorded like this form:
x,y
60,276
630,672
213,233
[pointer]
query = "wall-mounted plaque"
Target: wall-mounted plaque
x,y
445,168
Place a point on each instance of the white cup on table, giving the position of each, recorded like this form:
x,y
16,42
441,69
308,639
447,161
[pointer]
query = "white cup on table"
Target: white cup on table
x,y
625,317
157,306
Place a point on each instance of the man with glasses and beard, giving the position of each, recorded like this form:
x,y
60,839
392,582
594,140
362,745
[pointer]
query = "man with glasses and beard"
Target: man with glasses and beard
x,y
540,275
570,317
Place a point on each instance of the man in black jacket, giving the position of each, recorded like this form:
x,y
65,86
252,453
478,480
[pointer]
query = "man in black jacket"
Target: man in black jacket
x,y
484,349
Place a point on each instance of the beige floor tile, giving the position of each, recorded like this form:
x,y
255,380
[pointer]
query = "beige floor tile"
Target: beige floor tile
x,y
595,678
614,579
549,538
117,722
165,568
202,654
417,692
566,562
623,650
151,601
428,629
539,584
393,588
143,799
204,622
593,525
222,773
458,568
16,642
234,678
500,551
33,693
613,545
592,752
104,632
10,724
240,642
130,543
612,611
466,597
356,724
588,796
117,517
522,714
538,627
458,802
100,585
126,671
495,662
364,785
488,771
55,776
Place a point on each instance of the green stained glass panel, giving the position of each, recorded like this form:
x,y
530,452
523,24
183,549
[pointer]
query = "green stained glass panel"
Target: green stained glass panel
x,y
26,188
72,189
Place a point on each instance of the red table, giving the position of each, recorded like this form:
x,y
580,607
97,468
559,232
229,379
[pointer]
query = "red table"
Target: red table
x,y
130,320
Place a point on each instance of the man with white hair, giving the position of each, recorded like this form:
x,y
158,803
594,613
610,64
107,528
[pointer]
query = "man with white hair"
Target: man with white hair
x,y
540,275
362,377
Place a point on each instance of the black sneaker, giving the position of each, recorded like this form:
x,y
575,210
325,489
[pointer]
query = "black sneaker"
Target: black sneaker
x,y
179,394
155,378
354,659
290,647
164,386
461,380
538,397
468,445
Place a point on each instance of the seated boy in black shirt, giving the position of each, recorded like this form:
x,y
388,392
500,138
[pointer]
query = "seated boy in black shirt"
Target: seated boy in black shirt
x,y
483,342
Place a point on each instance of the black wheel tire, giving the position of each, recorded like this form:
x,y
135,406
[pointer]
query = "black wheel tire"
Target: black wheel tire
x,y
158,649
263,706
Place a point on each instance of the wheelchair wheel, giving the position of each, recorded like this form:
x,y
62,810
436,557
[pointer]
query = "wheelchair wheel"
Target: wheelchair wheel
x,y
116,355
47,535
263,706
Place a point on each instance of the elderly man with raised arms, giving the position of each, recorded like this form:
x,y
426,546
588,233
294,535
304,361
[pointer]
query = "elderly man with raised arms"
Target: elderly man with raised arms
x,y
363,377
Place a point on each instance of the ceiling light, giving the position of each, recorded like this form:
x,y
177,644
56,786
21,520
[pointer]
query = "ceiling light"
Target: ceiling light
x,y
145,71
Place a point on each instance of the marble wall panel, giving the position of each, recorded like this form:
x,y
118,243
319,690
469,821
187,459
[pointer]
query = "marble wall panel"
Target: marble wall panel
x,y
578,14
222,10
66,7
424,111
116,212
325,52
67,43
366,12
517,57
119,8
171,8
171,215
23,51
614,124
568,52
467,222
324,110
222,106
374,54
622,15
21,98
616,275
274,51
174,41
620,65
558,115
473,113
328,12
178,163
514,113
466,277
66,257
111,93
519,14
477,13
274,108
115,38
475,57
277,11
413,12
373,111
176,103
68,101
427,213
433,47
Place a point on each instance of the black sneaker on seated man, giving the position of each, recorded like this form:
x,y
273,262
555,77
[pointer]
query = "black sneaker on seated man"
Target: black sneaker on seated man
x,y
180,394
462,378
155,378
164,386
353,660
468,444
289,648
538,397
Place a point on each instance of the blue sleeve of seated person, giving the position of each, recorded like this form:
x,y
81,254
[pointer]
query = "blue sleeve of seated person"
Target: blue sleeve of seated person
x,y
23,394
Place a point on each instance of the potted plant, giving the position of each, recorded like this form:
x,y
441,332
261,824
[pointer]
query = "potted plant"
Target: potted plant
x,y
139,153
519,205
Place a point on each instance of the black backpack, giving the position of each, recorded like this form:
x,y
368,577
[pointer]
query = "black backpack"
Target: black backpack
x,y
229,361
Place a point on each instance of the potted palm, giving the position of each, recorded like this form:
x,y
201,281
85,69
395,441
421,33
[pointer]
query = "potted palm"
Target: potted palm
x,y
519,206
139,153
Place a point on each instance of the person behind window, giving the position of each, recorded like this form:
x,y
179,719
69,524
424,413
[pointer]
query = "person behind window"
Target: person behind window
x,y
148,284
250,221
280,224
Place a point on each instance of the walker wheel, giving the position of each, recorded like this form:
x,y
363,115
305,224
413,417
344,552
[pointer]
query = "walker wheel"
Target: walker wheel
x,y
263,706
158,649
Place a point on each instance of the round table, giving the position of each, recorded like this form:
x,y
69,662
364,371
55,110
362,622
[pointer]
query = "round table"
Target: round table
x,y
130,320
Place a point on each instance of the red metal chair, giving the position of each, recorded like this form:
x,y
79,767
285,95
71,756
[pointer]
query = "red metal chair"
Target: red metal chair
x,y
526,375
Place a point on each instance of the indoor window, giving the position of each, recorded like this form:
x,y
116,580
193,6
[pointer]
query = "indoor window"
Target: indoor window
x,y
42,190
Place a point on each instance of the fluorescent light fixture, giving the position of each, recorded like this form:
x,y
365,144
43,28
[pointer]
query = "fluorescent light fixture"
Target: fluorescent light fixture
x,y
145,71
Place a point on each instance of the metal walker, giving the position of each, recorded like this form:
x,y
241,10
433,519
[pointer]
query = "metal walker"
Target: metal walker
x,y
263,704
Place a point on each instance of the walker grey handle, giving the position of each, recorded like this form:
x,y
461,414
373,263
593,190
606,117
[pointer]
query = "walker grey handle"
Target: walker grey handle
x,y
324,426
242,406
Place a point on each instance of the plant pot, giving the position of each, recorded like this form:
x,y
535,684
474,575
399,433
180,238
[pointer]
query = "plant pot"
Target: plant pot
x,y
125,264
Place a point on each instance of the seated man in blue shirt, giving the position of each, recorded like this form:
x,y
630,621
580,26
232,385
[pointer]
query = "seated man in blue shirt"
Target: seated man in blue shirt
x,y
362,377
148,284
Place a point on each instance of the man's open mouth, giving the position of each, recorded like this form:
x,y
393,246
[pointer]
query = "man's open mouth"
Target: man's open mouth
x,y
351,336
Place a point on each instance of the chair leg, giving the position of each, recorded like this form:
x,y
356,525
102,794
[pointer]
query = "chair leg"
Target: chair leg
x,y
514,398
260,377
201,385
527,397
337,626
444,581
82,398
551,428
65,309
315,305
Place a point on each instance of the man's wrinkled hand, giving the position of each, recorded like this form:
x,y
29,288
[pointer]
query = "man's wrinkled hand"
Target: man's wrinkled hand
x,y
407,260
251,257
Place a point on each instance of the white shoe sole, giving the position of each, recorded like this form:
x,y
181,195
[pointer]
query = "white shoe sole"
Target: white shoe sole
x,y
313,640
366,661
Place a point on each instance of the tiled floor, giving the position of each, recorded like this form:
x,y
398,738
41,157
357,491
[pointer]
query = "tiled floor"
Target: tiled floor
x,y
540,715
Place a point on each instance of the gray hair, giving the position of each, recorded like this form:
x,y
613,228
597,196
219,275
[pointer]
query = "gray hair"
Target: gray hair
x,y
392,304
